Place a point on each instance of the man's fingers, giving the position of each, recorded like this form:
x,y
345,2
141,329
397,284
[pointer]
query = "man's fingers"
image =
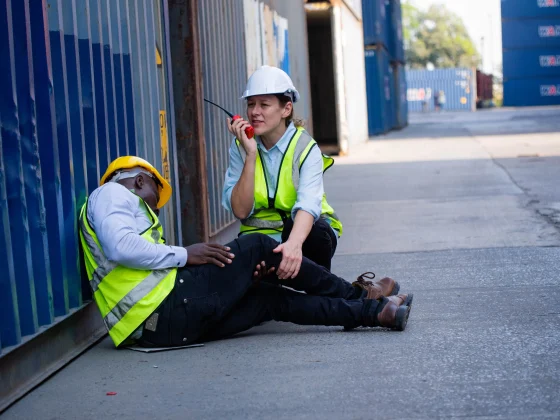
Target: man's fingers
x,y
222,248
216,262
223,257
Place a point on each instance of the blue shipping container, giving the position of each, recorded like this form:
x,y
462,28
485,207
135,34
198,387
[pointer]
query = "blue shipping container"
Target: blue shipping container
x,y
531,33
396,39
377,89
515,9
440,74
400,96
392,103
82,83
532,92
374,16
535,62
457,86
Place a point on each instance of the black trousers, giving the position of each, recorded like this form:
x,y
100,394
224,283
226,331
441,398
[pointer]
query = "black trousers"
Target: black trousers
x,y
209,302
320,244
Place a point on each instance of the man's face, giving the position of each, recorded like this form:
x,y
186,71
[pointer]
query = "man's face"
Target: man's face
x,y
147,188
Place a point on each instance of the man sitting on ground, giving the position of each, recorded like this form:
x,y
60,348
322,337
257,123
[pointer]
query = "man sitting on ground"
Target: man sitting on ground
x,y
161,295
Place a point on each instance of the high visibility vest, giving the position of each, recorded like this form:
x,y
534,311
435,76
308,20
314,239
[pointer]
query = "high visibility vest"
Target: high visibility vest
x,y
126,297
270,212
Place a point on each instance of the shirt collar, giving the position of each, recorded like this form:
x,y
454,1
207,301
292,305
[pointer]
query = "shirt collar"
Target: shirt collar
x,y
284,141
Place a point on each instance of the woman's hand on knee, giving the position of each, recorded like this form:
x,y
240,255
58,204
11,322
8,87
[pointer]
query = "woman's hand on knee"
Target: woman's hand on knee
x,y
291,259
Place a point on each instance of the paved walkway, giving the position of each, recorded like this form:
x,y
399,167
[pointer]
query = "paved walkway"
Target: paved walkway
x,y
463,209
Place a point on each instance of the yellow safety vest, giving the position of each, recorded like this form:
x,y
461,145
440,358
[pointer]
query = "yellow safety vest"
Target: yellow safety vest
x,y
271,211
125,296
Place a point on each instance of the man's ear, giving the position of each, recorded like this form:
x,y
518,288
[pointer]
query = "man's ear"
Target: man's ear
x,y
139,181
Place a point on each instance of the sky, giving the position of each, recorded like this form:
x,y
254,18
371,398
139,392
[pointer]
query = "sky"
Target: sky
x,y
482,19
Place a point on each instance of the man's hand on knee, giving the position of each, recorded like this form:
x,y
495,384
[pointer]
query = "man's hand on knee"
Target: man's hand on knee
x,y
209,254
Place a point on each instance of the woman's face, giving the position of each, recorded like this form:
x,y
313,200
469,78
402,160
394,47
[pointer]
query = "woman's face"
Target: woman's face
x,y
266,113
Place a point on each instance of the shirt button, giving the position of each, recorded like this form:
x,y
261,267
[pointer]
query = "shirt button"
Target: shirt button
x,y
185,300
181,281
184,339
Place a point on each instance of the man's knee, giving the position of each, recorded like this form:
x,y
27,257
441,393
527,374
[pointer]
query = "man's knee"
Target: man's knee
x,y
258,239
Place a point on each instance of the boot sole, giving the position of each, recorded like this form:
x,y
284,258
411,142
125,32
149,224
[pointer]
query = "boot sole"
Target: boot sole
x,y
401,318
405,307
408,300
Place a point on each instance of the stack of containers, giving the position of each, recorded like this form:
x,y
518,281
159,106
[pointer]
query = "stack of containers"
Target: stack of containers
x,y
376,36
531,52
384,58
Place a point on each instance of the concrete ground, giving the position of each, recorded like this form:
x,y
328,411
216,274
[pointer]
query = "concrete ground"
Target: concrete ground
x,y
463,209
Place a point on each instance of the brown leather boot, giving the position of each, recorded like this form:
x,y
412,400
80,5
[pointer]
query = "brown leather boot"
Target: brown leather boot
x,y
394,314
382,288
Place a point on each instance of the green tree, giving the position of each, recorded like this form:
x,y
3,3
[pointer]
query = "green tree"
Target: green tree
x,y
437,36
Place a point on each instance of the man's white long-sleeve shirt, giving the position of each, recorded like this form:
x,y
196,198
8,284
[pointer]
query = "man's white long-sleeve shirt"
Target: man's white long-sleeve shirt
x,y
119,219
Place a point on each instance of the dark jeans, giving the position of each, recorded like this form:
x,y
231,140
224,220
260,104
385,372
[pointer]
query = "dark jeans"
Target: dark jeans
x,y
320,244
209,302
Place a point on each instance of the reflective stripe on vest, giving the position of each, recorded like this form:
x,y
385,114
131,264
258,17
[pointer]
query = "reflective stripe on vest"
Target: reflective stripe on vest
x,y
269,212
126,297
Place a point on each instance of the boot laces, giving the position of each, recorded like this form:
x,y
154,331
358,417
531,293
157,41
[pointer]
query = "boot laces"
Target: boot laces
x,y
362,279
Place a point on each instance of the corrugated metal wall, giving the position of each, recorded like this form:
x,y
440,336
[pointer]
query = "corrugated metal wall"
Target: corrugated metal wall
x,y
224,68
274,34
375,22
81,84
377,66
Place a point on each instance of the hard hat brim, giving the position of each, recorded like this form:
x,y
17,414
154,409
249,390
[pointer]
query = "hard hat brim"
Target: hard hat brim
x,y
129,162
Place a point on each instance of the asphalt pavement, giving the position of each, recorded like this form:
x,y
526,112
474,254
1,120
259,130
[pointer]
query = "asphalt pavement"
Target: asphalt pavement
x,y
462,209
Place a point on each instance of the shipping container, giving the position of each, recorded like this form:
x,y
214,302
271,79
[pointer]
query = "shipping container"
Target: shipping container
x,y
375,22
532,92
534,62
335,39
82,83
531,33
396,40
440,74
377,88
484,87
276,34
224,67
351,77
400,95
391,98
457,86
516,9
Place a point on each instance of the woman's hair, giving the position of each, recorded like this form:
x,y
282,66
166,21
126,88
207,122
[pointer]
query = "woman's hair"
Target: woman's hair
x,y
298,122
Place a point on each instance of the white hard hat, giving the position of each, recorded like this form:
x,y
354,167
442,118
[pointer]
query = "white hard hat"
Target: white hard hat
x,y
269,81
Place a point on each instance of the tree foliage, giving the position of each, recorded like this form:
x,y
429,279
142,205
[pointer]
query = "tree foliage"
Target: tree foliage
x,y
437,36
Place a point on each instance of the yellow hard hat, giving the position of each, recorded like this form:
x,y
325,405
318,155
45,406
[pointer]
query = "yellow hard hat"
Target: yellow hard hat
x,y
128,162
